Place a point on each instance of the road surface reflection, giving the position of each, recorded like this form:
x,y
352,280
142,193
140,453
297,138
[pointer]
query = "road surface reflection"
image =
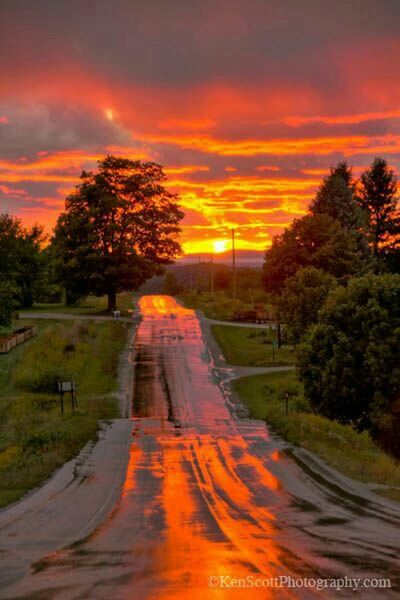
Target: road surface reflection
x,y
209,495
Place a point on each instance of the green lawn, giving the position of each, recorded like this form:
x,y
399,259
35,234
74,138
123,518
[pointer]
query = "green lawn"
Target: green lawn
x,y
250,346
35,439
92,305
220,306
350,452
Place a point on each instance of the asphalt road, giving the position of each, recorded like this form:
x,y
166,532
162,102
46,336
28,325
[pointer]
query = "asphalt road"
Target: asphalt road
x,y
207,495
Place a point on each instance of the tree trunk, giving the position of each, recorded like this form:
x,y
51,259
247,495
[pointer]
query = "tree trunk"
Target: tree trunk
x,y
279,331
112,301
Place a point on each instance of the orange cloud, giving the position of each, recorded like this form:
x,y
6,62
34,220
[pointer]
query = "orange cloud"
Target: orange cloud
x,y
343,119
283,146
172,124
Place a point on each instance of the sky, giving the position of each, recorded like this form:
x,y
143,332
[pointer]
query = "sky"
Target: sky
x,y
246,103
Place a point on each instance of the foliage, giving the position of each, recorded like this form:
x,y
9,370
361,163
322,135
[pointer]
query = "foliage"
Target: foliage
x,y
223,279
351,358
21,262
120,225
336,198
302,297
319,241
8,302
35,439
172,286
64,352
378,197
49,290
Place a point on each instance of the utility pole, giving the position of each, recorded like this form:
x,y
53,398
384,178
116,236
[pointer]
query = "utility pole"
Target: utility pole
x,y
198,278
233,266
212,277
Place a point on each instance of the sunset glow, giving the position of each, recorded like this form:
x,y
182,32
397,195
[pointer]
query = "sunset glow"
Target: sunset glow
x,y
220,246
245,124
109,114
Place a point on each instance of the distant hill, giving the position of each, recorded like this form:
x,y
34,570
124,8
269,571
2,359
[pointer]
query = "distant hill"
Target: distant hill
x,y
244,258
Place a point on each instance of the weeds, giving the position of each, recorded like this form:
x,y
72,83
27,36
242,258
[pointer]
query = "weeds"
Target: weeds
x,y
35,438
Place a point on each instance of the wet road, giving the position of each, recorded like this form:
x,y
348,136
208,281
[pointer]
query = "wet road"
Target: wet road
x,y
209,495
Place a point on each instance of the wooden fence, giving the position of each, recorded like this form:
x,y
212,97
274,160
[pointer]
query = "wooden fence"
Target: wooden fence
x,y
19,336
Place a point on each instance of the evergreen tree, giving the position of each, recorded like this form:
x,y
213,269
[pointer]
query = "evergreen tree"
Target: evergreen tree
x,y
336,198
378,197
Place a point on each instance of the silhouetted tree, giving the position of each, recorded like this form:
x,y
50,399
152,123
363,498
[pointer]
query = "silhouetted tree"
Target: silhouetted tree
x,y
316,240
336,198
172,287
378,197
119,227
223,279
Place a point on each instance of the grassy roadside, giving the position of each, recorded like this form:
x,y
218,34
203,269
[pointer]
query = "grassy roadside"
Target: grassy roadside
x,y
220,306
35,439
353,454
251,347
92,305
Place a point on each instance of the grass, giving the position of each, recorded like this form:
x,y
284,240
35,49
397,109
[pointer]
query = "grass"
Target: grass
x,y
221,306
35,439
92,305
250,346
352,453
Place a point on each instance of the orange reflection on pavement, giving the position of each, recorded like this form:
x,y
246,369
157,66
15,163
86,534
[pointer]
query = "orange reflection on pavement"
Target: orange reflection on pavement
x,y
216,498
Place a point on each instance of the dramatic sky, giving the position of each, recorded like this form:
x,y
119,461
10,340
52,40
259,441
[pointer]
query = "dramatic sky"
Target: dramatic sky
x,y
246,102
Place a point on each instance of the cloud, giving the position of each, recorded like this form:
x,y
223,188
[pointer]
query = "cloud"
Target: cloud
x,y
343,119
247,104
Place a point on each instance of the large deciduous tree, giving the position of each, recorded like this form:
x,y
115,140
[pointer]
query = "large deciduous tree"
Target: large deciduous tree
x,y
316,240
350,361
378,197
302,297
120,225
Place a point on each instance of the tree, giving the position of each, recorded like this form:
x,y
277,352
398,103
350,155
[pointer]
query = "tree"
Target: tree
x,y
223,279
50,290
31,265
8,303
21,261
350,361
315,240
336,198
302,297
343,170
378,197
172,287
120,226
